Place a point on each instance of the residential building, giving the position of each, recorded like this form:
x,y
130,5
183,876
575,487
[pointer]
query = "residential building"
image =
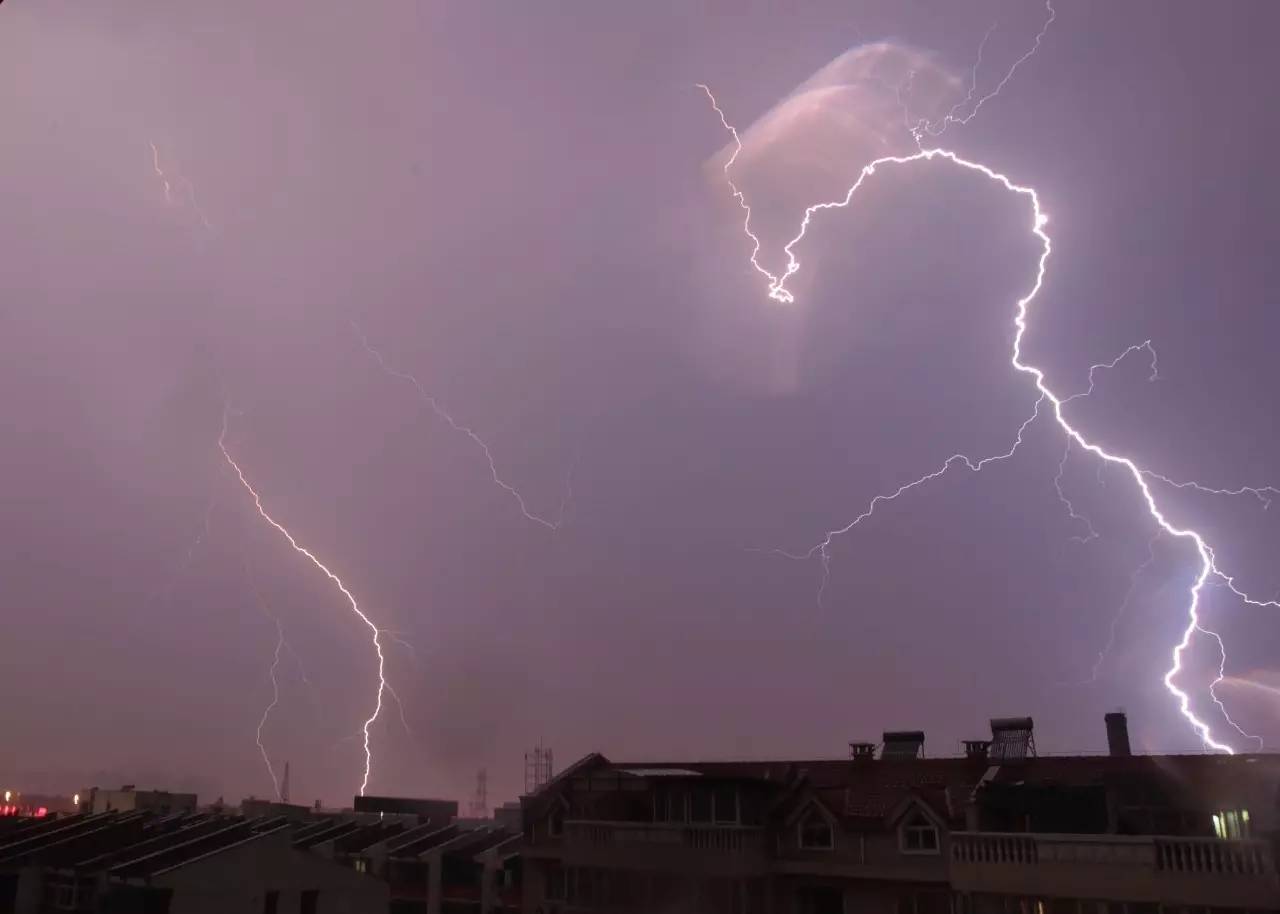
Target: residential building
x,y
141,862
129,799
995,831
442,812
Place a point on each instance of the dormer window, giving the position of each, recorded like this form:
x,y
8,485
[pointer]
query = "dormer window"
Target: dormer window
x,y
816,833
918,835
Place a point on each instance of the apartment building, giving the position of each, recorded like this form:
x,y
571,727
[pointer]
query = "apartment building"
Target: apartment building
x,y
997,830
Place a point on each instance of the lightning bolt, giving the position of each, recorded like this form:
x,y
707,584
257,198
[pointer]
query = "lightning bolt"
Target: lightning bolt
x,y
169,197
1071,508
1222,674
202,534
1066,451
275,700
1123,608
924,128
776,290
337,582
164,179
436,407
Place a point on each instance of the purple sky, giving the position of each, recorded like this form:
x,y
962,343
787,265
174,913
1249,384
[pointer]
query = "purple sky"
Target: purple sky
x,y
514,202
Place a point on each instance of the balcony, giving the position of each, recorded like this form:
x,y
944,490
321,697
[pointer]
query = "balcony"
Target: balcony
x,y
1166,870
712,849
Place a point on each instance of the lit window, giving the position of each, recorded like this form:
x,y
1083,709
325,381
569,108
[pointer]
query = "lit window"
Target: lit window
x,y
816,833
919,836
1231,824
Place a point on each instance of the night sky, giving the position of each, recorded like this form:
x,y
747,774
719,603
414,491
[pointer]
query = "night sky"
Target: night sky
x,y
522,206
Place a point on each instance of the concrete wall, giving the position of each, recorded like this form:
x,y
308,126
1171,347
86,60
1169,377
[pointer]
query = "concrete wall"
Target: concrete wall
x,y
238,879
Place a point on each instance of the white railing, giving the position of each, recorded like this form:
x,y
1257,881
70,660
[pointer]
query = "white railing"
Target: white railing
x,y
1210,856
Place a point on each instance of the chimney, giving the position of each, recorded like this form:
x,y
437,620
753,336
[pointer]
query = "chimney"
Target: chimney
x,y
1118,734
862,751
977,749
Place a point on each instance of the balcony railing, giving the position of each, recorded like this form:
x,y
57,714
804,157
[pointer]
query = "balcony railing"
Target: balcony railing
x,y
1168,854
1210,855
715,839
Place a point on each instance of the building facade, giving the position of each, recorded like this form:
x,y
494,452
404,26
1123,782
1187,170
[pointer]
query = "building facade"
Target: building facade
x,y
996,831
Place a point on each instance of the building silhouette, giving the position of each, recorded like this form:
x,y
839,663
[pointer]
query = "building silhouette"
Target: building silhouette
x,y
998,830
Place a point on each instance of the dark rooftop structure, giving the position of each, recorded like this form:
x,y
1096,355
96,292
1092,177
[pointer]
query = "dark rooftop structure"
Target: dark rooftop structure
x,y
144,861
442,812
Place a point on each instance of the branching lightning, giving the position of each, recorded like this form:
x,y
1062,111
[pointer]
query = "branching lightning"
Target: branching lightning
x,y
924,128
337,582
1123,608
1071,508
1142,478
435,406
1066,450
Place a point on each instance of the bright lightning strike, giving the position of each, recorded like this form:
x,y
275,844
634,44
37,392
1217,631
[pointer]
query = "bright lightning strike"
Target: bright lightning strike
x,y
434,405
776,289
337,581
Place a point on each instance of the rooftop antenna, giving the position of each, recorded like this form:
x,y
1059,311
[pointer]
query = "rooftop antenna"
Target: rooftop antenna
x,y
480,801
538,769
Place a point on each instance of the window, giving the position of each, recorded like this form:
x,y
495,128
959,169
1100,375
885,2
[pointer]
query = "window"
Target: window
x,y
65,897
700,806
816,833
555,824
668,806
555,888
820,899
310,902
271,902
361,865
918,836
725,801
1232,824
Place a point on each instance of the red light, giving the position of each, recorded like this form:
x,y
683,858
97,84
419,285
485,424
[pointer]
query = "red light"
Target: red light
x,y
41,812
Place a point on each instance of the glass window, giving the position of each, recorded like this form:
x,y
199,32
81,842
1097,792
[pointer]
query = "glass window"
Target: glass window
x,y
816,833
699,806
555,889
919,837
726,804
